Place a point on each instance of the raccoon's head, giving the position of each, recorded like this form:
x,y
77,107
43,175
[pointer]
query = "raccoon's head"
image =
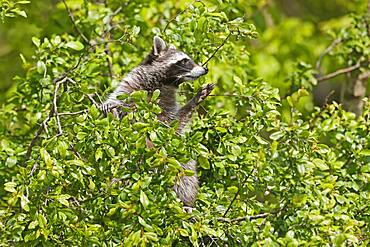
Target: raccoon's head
x,y
174,66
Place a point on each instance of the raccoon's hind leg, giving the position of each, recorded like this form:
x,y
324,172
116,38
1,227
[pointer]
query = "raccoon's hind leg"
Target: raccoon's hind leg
x,y
186,187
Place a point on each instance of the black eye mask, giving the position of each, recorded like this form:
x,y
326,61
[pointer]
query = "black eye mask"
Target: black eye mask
x,y
186,64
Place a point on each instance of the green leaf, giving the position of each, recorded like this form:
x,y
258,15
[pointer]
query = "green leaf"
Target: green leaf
x,y
236,150
98,154
36,41
75,45
144,199
155,95
24,203
144,224
112,211
33,224
189,173
204,163
319,163
62,148
42,220
365,152
46,156
63,199
11,161
276,135
260,140
10,186
41,67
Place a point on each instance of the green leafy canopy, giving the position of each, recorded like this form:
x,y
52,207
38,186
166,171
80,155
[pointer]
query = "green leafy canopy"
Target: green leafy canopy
x,y
70,176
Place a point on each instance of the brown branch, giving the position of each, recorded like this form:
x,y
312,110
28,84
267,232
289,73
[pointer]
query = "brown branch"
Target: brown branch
x,y
326,51
109,35
44,124
73,113
75,152
218,48
37,135
55,107
111,16
71,17
327,97
338,72
180,13
237,193
230,95
110,65
252,217
33,169
91,98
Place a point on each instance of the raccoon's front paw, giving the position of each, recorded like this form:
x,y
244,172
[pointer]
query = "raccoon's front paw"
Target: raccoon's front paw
x,y
204,92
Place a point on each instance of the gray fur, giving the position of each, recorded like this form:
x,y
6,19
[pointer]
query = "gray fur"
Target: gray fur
x,y
165,68
186,187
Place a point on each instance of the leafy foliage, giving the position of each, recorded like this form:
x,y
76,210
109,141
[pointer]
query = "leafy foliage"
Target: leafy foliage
x,y
11,8
73,177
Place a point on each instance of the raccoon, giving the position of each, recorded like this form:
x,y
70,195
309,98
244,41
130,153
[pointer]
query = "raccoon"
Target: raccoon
x,y
165,68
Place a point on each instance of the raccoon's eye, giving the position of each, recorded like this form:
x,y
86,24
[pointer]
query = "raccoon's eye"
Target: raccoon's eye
x,y
184,62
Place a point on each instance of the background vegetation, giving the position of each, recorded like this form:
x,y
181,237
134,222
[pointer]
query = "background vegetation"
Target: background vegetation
x,y
274,169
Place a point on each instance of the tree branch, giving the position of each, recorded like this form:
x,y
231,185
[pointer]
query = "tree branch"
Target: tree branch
x,y
55,107
252,217
73,113
44,124
109,35
218,48
237,193
326,51
180,13
338,72
37,135
71,17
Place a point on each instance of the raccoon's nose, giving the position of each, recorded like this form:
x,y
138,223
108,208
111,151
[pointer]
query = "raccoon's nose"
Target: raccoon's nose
x,y
205,69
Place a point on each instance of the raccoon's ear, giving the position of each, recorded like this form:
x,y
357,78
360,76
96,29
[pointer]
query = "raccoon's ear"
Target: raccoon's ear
x,y
158,45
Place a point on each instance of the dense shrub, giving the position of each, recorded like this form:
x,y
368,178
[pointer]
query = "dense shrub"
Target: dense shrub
x,y
70,176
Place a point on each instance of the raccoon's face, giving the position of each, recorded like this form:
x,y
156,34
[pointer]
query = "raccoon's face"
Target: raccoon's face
x,y
175,65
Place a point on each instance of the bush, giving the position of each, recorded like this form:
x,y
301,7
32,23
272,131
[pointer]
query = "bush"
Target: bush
x,y
73,177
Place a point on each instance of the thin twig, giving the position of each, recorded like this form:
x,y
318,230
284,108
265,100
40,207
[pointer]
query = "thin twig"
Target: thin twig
x,y
91,98
109,22
37,135
78,155
230,95
55,107
44,124
71,17
338,72
33,169
110,65
180,13
237,193
326,51
327,97
218,48
107,50
73,113
252,217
